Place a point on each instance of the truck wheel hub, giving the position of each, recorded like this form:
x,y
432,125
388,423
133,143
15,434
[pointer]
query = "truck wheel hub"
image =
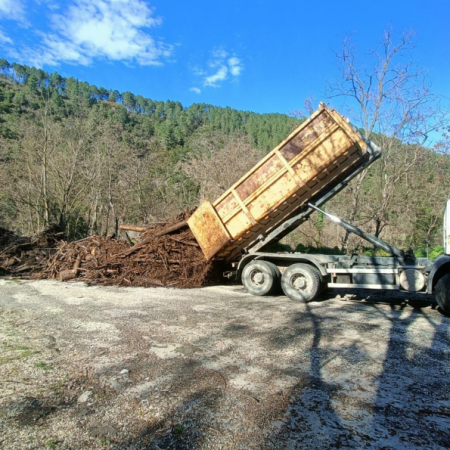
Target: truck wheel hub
x,y
299,282
257,277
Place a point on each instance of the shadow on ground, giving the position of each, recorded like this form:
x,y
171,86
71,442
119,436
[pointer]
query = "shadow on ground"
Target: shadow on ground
x,y
361,372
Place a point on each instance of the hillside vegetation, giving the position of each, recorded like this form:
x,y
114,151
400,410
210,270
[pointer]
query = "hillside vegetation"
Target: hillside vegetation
x,y
87,158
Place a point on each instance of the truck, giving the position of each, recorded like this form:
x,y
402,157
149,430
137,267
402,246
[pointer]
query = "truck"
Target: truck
x,y
281,192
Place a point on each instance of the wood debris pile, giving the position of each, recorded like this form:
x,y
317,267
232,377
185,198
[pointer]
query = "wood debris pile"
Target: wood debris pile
x,y
27,256
167,254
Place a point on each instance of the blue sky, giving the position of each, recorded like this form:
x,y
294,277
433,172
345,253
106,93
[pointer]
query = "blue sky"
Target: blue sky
x,y
262,56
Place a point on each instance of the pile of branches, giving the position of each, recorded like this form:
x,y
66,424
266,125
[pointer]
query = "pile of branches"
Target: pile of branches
x,y
27,256
167,254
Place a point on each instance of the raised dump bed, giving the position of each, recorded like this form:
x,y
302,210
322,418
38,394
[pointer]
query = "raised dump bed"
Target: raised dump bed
x,y
321,150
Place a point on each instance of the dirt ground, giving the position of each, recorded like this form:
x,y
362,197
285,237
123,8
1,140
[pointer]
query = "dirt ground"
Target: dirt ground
x,y
216,368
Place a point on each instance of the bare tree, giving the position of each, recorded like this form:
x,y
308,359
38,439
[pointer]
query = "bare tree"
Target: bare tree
x,y
218,161
389,98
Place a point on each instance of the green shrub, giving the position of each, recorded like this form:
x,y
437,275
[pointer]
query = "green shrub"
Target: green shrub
x,y
436,251
277,247
318,250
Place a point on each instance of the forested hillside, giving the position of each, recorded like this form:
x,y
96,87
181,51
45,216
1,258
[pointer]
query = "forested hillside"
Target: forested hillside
x,y
87,158
84,157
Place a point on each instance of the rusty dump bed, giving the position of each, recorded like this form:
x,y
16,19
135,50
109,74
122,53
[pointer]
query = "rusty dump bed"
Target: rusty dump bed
x,y
319,151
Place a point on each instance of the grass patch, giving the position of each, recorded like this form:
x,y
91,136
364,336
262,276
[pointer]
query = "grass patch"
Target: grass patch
x,y
52,443
11,333
27,353
7,359
15,347
43,366
22,347
179,429
58,384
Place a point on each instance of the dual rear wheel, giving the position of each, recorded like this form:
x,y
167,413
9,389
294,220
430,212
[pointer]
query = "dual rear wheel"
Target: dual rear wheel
x,y
261,277
300,282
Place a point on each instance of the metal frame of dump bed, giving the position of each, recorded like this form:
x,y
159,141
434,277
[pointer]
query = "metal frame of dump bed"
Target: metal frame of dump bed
x,y
261,272
255,249
366,272
279,231
303,276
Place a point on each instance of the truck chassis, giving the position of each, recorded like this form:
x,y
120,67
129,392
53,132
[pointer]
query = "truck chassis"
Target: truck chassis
x,y
303,277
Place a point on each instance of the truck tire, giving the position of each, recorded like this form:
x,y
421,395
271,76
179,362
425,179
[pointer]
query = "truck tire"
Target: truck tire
x,y
261,277
442,293
301,282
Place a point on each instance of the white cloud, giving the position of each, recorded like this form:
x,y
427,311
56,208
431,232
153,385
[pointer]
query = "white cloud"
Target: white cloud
x,y
196,90
224,67
11,9
114,30
235,66
218,56
4,39
220,75
50,4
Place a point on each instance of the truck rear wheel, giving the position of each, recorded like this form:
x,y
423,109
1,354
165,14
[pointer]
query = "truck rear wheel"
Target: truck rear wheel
x,y
261,277
442,293
301,282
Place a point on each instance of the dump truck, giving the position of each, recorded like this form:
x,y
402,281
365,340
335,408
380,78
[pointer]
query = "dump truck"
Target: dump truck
x,y
313,164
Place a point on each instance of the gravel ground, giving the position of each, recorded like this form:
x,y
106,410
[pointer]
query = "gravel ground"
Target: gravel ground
x,y
216,368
